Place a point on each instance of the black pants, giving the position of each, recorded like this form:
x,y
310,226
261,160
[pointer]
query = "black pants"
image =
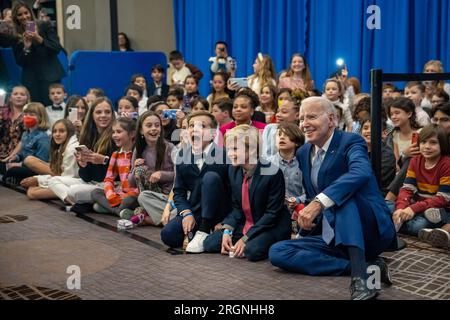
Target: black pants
x,y
397,183
215,206
39,90
18,174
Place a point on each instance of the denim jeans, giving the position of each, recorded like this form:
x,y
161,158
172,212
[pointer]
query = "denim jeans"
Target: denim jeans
x,y
413,226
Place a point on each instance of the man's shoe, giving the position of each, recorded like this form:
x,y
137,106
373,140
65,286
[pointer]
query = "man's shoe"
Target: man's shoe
x,y
359,290
439,238
196,244
434,215
385,276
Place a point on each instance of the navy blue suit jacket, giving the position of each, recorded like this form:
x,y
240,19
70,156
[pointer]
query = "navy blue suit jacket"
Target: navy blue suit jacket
x,y
346,177
151,89
267,195
188,177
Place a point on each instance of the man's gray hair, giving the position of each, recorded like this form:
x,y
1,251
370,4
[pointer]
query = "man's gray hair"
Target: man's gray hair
x,y
327,106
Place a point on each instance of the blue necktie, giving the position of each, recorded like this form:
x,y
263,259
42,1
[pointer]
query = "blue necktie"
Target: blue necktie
x,y
315,168
327,231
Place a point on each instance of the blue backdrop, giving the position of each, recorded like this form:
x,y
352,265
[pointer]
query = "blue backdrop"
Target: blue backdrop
x,y
412,32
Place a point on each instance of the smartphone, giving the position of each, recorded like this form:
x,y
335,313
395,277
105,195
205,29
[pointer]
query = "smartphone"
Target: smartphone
x,y
132,115
241,82
31,26
81,148
170,114
73,114
414,138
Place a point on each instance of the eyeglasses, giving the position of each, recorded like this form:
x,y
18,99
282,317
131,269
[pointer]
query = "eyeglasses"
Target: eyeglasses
x,y
437,120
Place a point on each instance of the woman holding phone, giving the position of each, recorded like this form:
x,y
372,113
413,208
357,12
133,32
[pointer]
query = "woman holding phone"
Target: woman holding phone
x,y
92,156
36,50
76,110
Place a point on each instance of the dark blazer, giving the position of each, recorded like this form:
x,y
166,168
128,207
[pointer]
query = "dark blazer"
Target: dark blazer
x,y
164,89
259,116
5,41
267,194
42,63
188,177
360,215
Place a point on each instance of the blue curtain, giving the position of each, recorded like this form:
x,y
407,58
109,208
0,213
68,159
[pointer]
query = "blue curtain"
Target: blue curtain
x,y
412,32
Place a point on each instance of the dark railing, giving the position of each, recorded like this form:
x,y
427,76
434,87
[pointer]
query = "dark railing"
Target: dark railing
x,y
377,77
114,25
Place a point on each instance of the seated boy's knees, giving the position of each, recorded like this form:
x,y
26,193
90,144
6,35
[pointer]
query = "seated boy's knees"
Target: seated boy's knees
x,y
253,253
169,238
211,178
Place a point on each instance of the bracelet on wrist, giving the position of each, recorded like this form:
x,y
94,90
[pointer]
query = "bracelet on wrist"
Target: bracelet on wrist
x,y
228,232
187,215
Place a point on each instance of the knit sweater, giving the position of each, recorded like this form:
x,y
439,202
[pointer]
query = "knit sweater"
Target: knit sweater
x,y
425,188
119,165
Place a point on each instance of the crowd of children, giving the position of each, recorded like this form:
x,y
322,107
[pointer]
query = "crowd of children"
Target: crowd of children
x,y
221,174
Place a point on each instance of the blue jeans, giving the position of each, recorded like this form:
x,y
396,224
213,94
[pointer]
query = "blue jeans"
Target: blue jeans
x,y
413,226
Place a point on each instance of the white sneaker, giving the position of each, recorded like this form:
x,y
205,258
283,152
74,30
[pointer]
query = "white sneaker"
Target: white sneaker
x,y
433,215
196,244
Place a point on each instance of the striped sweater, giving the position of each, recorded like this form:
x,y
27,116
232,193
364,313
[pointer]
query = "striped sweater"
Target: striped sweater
x,y
119,165
425,188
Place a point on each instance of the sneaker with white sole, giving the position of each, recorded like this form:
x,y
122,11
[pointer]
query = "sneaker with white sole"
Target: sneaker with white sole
x,y
99,209
196,244
424,234
439,238
434,215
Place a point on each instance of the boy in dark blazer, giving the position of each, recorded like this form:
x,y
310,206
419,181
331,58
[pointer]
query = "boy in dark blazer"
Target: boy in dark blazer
x,y
201,170
259,217
157,87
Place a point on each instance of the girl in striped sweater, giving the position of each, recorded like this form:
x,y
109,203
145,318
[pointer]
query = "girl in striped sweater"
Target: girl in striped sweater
x,y
114,199
427,185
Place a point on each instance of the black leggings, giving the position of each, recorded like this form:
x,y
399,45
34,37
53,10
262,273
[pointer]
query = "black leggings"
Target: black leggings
x,y
18,174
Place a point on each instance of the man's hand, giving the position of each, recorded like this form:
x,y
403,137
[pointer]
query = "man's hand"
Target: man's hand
x,y
188,224
308,214
226,244
239,248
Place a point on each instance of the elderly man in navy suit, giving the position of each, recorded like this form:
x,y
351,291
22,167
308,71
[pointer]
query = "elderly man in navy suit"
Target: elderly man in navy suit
x,y
346,224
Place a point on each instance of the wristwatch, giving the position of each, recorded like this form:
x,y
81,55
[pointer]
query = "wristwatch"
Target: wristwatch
x,y
319,202
105,160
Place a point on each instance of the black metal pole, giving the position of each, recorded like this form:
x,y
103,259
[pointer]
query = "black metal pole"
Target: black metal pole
x,y
376,80
114,25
